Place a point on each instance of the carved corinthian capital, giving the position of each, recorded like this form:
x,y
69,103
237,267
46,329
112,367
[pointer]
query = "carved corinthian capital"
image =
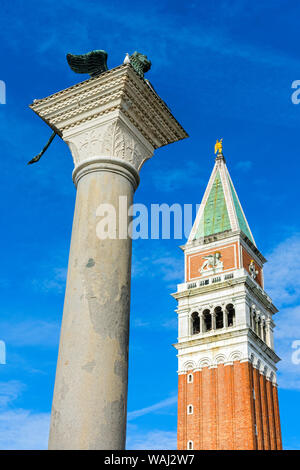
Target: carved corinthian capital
x,y
113,139
116,116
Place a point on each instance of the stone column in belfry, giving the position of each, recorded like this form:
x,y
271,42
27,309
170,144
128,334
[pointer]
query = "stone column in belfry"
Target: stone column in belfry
x,y
112,124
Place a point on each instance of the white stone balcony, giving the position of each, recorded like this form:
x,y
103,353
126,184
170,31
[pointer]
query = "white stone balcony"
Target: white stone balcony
x,y
219,278
213,279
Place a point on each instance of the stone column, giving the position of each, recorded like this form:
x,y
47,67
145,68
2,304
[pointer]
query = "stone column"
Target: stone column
x,y
251,311
213,320
225,316
112,124
256,321
269,333
262,324
201,321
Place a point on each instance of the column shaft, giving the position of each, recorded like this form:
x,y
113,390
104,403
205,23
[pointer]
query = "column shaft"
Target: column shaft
x,y
89,403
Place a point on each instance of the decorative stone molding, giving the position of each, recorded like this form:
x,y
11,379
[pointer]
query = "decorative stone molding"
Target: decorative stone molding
x,y
112,139
220,359
114,165
193,310
190,365
212,359
119,92
110,118
272,377
205,362
257,364
235,356
263,368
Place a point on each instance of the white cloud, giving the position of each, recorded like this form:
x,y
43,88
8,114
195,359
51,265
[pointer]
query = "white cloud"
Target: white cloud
x,y
138,323
282,279
10,391
288,371
170,267
167,267
56,282
23,430
152,408
282,273
288,323
30,333
286,332
171,324
158,323
20,429
216,39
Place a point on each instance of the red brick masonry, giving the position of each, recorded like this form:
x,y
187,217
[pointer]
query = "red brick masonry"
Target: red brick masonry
x,y
234,407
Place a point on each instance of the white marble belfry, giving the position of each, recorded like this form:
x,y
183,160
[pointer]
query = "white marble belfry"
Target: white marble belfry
x,y
112,124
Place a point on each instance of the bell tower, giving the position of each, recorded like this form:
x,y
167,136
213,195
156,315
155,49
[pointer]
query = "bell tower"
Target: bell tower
x,y
227,391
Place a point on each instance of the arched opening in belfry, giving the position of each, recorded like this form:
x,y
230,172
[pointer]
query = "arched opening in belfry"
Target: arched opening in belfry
x,y
207,320
230,315
195,323
219,318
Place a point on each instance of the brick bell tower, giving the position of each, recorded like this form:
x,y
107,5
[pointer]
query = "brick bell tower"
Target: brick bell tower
x,y
227,392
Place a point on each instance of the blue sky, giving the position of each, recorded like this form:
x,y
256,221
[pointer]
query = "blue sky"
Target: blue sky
x,y
225,68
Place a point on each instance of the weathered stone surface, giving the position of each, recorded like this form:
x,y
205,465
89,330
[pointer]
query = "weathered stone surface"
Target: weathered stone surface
x,y
112,124
89,405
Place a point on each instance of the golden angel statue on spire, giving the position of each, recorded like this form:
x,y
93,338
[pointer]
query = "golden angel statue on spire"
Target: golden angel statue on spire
x,y
219,147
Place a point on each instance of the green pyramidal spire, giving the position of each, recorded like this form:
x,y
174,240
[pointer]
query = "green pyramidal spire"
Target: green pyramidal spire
x,y
215,218
220,209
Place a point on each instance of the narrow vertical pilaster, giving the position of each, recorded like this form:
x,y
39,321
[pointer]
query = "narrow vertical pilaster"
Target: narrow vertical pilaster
x,y
269,387
258,409
264,406
181,413
277,418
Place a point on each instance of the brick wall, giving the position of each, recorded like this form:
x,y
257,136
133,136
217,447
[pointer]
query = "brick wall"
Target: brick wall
x,y
226,412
